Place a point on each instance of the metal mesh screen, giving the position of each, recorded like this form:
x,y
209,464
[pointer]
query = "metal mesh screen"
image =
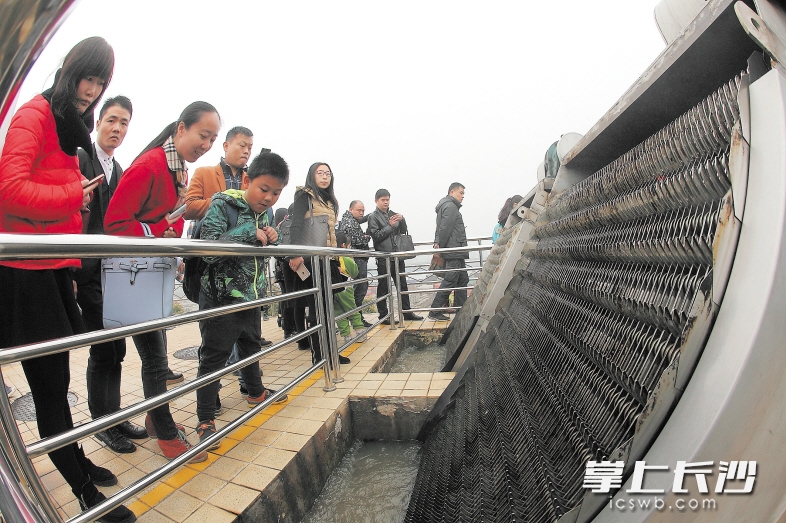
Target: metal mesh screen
x,y
600,310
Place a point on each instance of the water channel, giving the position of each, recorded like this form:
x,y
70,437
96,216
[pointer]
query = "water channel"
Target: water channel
x,y
372,484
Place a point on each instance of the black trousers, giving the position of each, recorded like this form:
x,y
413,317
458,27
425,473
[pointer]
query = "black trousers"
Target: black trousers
x,y
382,286
219,335
451,281
38,306
360,289
105,364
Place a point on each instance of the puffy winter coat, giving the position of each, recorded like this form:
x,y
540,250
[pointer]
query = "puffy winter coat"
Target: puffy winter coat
x,y
240,278
145,194
450,228
40,185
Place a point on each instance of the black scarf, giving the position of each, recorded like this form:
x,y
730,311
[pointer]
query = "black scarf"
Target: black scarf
x,y
73,129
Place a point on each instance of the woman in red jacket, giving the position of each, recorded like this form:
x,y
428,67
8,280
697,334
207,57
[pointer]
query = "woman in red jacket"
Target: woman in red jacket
x,y
42,192
150,189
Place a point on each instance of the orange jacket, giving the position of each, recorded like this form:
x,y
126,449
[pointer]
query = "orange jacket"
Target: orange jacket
x,y
206,182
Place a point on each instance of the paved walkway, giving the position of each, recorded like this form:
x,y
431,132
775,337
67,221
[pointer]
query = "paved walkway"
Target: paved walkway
x,y
236,473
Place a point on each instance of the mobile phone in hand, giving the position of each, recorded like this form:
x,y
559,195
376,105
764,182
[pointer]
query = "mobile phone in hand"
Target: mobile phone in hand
x,y
96,180
177,213
303,272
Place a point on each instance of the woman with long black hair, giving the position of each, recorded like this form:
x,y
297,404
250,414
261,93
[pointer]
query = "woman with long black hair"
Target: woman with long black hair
x,y
315,198
503,216
151,188
42,191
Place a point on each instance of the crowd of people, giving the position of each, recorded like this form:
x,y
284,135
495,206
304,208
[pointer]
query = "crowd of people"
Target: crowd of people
x,y
53,179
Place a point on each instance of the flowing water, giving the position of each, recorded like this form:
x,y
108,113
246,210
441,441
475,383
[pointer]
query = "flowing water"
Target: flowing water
x,y
428,358
372,484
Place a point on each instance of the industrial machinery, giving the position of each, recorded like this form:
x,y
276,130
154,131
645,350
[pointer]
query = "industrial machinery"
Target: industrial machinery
x,y
634,308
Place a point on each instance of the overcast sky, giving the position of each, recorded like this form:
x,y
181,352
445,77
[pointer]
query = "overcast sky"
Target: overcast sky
x,y
409,96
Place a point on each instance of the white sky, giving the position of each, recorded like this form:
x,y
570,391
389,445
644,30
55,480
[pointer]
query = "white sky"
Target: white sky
x,y
409,96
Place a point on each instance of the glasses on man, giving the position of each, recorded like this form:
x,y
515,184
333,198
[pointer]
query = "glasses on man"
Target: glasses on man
x,y
326,174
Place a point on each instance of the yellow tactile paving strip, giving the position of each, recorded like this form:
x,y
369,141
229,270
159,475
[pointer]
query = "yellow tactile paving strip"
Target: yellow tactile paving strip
x,y
250,458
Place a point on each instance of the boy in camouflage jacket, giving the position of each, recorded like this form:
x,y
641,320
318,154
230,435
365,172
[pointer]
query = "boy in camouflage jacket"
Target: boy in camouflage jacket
x,y
237,279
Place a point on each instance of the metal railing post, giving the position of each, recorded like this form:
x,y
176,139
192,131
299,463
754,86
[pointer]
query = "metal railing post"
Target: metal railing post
x,y
399,295
391,310
14,446
317,279
480,253
330,322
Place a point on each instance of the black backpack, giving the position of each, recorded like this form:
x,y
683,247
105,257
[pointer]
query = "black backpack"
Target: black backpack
x,y
195,265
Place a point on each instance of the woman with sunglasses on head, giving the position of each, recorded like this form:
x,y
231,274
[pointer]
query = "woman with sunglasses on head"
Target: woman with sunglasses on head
x,y
42,191
151,188
315,198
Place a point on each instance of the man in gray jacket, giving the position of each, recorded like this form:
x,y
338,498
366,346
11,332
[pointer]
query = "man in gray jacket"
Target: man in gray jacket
x,y
451,233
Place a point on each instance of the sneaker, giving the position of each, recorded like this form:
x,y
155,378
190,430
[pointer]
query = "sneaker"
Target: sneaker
x,y
367,324
411,316
265,343
90,497
151,429
173,448
173,377
363,337
254,401
347,339
9,390
437,316
343,360
265,316
204,430
100,476
243,391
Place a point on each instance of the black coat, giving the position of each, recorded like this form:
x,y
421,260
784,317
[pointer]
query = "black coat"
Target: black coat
x,y
450,228
382,232
91,167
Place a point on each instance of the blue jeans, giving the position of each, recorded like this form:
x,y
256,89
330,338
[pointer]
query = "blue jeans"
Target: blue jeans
x,y
152,351
219,335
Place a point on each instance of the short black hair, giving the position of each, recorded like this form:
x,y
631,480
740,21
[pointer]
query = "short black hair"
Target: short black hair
x,y
270,164
454,186
118,100
341,238
238,129
380,193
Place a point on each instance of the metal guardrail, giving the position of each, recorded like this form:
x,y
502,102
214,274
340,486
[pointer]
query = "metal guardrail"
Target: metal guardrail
x,y
24,498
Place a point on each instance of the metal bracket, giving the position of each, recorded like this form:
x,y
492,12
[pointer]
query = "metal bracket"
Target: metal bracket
x,y
768,30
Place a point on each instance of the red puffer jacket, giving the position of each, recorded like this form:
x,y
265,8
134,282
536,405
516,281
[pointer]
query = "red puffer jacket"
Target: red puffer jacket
x,y
145,195
40,185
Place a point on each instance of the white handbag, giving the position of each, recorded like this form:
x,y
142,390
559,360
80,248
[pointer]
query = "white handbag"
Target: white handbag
x,y
137,289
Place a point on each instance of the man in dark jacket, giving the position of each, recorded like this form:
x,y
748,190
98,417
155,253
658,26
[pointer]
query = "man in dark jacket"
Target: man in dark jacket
x,y
385,226
350,224
104,364
451,233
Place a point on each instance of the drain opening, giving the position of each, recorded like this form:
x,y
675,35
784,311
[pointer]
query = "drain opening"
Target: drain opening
x,y
189,353
24,408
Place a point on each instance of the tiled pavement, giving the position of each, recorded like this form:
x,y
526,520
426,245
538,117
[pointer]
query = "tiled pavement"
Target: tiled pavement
x,y
249,459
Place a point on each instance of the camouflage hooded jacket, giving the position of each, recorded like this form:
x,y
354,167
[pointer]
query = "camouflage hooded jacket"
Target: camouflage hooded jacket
x,y
240,278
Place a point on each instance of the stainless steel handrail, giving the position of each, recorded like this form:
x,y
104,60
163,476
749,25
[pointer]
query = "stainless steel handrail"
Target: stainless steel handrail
x,y
14,247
